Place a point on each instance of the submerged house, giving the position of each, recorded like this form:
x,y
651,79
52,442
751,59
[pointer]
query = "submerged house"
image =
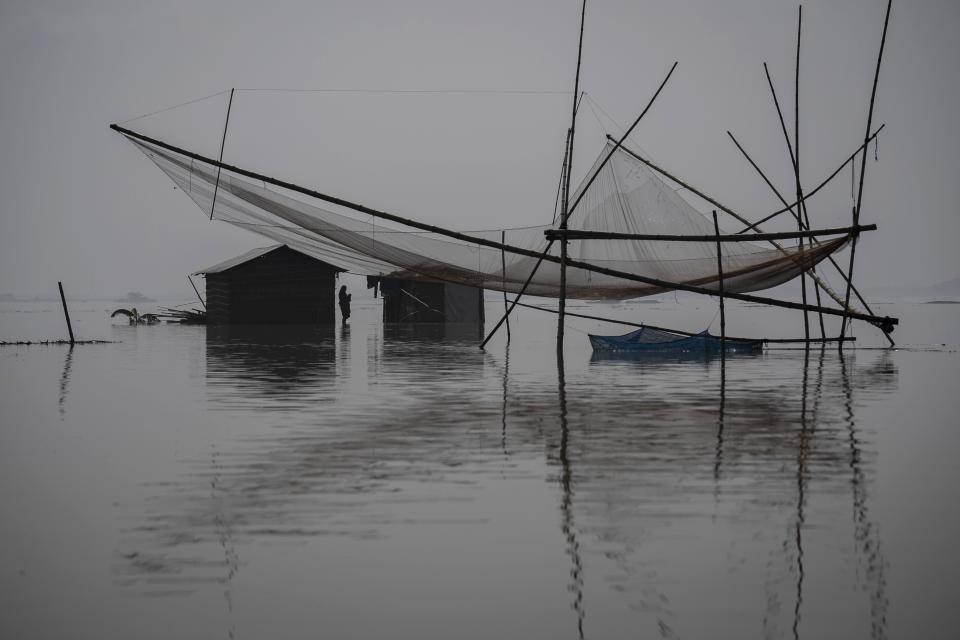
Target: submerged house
x,y
271,285
418,302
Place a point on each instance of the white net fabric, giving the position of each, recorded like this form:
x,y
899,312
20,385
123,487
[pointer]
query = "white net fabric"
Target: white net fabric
x,y
626,197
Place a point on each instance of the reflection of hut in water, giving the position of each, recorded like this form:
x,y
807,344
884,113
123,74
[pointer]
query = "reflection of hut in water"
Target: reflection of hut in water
x,y
258,362
271,285
416,302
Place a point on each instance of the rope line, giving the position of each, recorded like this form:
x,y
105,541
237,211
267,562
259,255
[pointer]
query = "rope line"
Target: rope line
x,y
177,106
410,91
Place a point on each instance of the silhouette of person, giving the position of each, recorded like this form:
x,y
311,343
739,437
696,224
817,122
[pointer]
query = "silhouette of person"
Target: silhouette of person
x,y
344,299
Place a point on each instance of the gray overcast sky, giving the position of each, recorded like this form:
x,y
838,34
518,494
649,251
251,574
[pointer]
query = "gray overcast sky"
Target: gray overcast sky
x,y
79,203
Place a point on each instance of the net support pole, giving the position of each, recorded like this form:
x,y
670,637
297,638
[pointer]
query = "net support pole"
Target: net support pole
x,y
796,168
503,268
640,325
579,234
223,143
863,166
66,313
796,171
562,298
565,211
723,317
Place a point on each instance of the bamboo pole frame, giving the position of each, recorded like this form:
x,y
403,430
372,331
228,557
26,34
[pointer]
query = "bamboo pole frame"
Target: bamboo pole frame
x,y
541,256
751,226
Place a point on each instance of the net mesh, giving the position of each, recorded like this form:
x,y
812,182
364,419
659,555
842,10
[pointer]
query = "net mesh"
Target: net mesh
x,y
625,197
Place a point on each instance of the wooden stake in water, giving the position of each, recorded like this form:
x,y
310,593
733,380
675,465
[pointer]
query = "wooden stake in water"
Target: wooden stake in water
x,y
66,313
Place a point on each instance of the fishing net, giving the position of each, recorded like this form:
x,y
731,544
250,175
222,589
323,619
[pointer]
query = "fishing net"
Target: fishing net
x,y
625,197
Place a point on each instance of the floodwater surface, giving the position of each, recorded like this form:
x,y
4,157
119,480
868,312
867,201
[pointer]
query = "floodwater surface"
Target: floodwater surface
x,y
371,481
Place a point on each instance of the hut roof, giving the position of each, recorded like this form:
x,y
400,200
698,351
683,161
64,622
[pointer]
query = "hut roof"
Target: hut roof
x,y
243,258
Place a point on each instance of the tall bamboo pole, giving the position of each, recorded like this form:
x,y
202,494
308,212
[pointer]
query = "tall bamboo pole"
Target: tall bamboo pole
x,y
566,188
863,165
796,170
802,221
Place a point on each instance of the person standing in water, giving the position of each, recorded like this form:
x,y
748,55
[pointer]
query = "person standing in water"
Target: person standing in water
x,y
344,299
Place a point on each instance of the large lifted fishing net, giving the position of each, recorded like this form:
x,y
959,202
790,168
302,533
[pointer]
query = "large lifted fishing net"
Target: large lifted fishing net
x,y
625,197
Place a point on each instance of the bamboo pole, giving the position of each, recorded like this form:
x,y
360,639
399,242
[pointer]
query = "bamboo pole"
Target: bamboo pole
x,y
503,271
796,162
66,313
863,163
563,243
679,286
723,317
566,187
796,170
577,234
627,323
223,143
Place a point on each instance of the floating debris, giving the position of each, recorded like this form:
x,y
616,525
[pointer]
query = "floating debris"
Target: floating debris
x,y
183,316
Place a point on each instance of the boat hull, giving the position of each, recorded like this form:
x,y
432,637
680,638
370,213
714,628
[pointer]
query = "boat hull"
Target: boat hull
x,y
648,340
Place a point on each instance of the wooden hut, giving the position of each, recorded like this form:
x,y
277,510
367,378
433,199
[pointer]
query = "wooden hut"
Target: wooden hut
x,y
416,302
271,285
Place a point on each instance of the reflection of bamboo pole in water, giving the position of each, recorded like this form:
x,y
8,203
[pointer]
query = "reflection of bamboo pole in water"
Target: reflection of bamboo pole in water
x,y
802,454
718,458
506,373
64,379
225,539
863,530
566,504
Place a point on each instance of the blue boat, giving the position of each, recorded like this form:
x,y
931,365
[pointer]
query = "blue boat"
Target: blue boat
x,y
649,339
